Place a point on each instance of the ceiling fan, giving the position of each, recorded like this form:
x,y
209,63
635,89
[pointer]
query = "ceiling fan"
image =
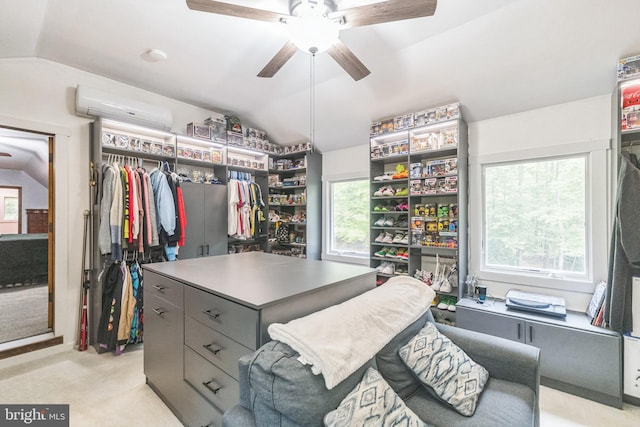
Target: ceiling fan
x,y
314,26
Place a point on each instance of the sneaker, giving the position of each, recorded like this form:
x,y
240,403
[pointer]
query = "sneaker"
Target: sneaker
x,y
402,192
380,237
405,239
391,253
389,269
452,305
379,222
388,192
389,222
436,285
445,286
434,302
388,238
377,208
378,192
381,253
398,237
444,304
381,267
402,223
405,254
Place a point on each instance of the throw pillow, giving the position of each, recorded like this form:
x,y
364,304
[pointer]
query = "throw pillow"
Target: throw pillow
x,y
445,369
372,403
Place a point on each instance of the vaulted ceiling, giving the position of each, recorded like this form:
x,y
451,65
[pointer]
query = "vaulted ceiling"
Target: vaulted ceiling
x,y
496,57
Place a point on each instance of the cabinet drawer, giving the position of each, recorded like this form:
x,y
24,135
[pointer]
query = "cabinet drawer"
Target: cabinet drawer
x,y
233,320
217,387
167,289
218,349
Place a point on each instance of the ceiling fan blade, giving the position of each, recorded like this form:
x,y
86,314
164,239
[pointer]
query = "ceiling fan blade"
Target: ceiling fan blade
x,y
348,60
278,60
386,11
221,8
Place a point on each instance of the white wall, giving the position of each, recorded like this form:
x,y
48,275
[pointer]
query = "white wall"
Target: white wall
x,y
582,126
561,129
34,195
40,95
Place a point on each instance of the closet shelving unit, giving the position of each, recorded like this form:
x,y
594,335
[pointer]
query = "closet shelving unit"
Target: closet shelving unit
x,y
295,190
425,151
254,164
127,144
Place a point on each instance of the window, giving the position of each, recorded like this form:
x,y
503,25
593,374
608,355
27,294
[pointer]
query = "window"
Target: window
x,y
347,225
536,217
10,208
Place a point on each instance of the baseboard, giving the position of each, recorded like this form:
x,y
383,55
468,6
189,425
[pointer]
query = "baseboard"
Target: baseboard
x,y
596,396
631,400
32,351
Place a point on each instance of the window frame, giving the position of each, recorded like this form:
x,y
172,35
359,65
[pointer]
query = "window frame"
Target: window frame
x,y
597,217
327,235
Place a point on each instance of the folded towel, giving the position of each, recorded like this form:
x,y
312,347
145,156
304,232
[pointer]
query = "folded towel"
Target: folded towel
x,y
338,340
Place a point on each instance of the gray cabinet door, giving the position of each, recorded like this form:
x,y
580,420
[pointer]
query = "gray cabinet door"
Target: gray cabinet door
x,y
193,196
163,342
571,356
490,323
215,219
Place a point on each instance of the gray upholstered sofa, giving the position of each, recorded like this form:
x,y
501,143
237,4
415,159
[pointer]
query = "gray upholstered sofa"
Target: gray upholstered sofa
x,y
277,390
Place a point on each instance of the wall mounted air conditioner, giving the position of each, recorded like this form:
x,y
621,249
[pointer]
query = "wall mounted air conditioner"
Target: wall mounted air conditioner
x,y
95,103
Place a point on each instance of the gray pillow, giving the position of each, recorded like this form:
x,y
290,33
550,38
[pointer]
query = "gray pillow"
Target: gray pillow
x,y
391,367
445,369
372,403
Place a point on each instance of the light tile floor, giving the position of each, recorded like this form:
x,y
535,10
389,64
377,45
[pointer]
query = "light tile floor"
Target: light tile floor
x,y
107,390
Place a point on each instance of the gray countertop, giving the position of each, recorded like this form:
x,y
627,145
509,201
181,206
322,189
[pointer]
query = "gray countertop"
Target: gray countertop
x,y
258,279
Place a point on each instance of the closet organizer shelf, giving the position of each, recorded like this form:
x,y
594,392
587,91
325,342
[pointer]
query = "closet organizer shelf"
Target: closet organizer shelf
x,y
427,149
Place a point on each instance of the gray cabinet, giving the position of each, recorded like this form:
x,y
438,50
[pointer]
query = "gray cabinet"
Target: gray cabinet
x,y
574,356
206,211
204,314
163,335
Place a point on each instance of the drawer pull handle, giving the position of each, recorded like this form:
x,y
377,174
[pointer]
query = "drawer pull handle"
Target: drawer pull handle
x,y
158,311
212,386
212,348
159,288
211,314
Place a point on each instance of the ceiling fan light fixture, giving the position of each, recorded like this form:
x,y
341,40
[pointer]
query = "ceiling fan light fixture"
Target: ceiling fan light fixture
x,y
313,33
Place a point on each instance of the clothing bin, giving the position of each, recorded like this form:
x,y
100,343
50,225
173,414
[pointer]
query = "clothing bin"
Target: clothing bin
x,y
632,366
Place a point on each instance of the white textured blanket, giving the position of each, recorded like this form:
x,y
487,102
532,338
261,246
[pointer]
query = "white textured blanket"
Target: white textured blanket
x,y
338,340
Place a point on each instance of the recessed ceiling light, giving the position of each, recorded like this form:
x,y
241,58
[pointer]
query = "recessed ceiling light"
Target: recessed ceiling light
x,y
154,55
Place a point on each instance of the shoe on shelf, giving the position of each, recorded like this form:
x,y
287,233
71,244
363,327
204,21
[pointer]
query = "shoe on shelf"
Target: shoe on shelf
x,y
380,267
388,192
402,223
397,238
434,302
401,172
379,222
377,208
405,254
388,269
388,222
387,176
402,206
378,192
380,237
444,304
452,305
381,253
436,285
402,192
391,253
445,286
405,239
388,238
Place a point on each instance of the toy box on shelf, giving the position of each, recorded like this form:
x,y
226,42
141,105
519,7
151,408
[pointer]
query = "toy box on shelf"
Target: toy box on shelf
x,y
629,68
441,136
195,149
630,102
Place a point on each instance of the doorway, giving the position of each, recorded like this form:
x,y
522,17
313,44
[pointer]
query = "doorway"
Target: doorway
x,y
26,237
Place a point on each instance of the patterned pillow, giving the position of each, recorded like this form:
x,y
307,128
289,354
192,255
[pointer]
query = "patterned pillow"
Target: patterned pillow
x,y
372,403
443,367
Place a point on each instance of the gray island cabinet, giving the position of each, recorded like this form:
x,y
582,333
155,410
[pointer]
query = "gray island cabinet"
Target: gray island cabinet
x,y
202,314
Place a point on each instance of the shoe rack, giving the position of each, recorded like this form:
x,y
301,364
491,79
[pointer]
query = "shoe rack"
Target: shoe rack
x,y
418,216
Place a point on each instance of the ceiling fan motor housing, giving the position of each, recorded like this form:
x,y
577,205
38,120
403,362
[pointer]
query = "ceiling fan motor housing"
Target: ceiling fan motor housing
x,y
323,6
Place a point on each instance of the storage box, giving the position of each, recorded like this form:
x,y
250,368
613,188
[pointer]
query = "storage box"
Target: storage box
x,y
197,130
629,68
